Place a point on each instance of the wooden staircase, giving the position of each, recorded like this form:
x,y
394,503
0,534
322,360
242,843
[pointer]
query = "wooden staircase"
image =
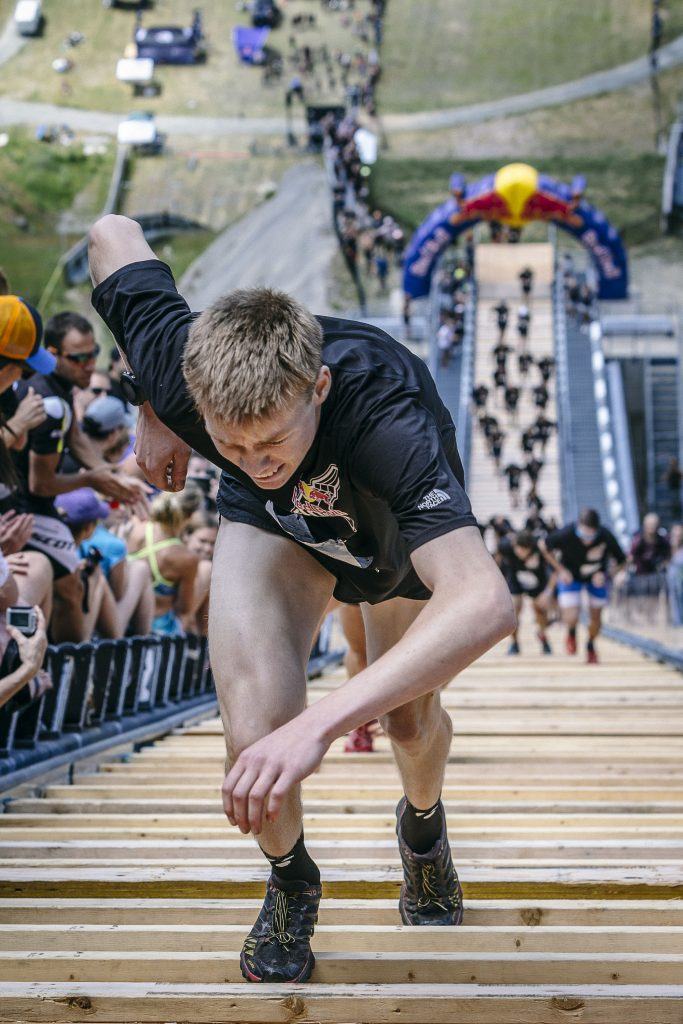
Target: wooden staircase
x,y
497,270
125,895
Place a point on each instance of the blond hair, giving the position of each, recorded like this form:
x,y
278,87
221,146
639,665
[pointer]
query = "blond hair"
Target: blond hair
x,y
173,510
250,353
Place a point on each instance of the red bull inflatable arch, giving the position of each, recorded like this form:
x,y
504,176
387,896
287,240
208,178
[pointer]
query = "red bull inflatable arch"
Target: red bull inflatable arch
x,y
514,196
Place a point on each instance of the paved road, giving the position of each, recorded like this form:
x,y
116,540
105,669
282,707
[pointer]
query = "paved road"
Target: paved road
x,y
620,77
286,242
10,41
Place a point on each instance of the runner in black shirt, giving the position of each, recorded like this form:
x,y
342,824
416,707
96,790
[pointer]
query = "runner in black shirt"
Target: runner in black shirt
x,y
524,361
479,396
500,353
546,365
542,428
502,312
541,396
526,441
496,440
533,469
340,476
488,424
500,377
526,277
582,554
526,574
513,472
512,394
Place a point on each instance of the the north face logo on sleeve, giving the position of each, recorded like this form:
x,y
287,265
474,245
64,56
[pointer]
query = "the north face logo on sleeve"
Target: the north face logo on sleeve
x,y
432,499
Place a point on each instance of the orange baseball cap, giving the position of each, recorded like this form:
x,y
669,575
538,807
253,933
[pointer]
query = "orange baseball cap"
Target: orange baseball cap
x,y
21,332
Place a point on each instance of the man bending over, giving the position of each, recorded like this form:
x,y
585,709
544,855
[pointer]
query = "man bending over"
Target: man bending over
x,y
341,477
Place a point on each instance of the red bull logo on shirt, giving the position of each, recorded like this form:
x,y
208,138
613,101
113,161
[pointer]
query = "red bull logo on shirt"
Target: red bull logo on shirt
x,y
319,497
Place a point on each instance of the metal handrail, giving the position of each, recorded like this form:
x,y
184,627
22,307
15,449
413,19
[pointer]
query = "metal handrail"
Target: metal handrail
x,y
564,415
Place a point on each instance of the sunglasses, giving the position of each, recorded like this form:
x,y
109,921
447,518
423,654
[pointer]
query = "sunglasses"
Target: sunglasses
x,y
101,391
83,357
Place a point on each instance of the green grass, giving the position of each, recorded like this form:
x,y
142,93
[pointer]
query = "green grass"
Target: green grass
x,y
627,190
37,182
220,87
443,53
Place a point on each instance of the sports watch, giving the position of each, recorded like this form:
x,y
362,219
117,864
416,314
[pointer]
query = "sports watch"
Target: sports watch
x,y
132,389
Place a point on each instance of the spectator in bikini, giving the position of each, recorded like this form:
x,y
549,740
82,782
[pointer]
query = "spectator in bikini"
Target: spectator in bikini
x,y
172,564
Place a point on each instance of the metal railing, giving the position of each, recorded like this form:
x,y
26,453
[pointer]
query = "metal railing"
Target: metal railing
x,y
564,414
108,692
463,427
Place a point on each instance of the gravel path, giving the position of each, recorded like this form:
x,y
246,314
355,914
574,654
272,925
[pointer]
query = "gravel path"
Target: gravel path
x,y
620,77
287,242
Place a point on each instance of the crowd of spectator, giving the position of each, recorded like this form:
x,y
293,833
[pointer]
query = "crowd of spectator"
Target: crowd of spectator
x,y
85,541
579,296
453,285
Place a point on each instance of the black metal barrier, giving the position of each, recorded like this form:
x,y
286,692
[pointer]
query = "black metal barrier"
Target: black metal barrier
x,y
108,689
104,689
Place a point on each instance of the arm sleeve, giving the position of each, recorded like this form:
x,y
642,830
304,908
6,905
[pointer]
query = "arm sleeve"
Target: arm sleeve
x,y
141,306
403,459
614,548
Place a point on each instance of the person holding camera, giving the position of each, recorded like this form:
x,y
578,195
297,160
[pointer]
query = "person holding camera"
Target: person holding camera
x,y
31,654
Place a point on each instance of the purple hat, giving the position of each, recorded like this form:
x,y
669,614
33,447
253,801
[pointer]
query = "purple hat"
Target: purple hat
x,y
81,506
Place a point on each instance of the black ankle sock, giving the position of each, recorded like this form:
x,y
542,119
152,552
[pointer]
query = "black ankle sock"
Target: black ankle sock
x,y
295,866
589,645
572,631
421,829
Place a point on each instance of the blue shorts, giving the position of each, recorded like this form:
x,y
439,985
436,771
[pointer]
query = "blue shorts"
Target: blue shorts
x,y
569,594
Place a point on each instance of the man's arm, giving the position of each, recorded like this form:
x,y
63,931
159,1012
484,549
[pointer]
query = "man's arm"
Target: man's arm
x,y
83,449
45,482
469,611
114,242
562,572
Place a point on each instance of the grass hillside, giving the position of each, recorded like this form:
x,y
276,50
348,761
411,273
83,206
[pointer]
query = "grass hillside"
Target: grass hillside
x,y
445,53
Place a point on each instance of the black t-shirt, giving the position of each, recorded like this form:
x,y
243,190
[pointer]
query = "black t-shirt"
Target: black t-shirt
x,y
383,475
584,560
513,472
522,576
49,438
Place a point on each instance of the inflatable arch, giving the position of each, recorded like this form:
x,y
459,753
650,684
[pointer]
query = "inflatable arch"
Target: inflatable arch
x,y
515,195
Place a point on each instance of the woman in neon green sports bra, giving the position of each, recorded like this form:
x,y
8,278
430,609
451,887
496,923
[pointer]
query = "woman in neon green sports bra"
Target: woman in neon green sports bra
x,y
173,566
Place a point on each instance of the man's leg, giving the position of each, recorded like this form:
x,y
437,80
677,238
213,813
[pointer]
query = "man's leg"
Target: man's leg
x,y
514,637
420,733
268,596
597,598
359,740
569,601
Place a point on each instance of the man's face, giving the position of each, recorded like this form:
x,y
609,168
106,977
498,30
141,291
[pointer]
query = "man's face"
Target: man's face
x,y
72,363
269,449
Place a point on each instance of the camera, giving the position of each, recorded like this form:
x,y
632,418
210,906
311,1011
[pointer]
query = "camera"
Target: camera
x,y
92,560
23,619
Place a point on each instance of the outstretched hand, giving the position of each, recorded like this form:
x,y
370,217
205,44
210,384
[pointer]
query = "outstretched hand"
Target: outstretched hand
x,y
263,774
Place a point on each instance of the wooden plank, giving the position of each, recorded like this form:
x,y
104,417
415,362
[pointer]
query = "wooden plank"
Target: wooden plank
x,y
608,913
363,938
340,850
372,1004
387,968
648,882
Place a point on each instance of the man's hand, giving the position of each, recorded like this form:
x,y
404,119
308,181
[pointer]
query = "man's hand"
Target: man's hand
x,y
161,455
15,531
264,773
31,648
115,485
30,413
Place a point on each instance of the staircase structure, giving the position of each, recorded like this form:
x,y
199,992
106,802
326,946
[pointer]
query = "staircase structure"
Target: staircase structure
x,y
497,270
126,896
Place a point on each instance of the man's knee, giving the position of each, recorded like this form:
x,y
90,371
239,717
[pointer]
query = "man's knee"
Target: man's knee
x,y
256,700
412,726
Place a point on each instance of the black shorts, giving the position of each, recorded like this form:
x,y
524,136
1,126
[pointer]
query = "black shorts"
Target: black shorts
x,y
517,591
354,585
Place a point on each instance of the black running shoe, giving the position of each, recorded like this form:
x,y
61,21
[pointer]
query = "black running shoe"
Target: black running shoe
x,y
278,947
430,893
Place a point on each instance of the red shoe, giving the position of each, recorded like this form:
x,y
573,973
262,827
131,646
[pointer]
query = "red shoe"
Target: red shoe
x,y
592,656
570,643
360,740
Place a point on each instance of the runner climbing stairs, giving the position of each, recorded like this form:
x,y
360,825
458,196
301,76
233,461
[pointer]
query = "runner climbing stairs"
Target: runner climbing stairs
x,y
125,896
497,270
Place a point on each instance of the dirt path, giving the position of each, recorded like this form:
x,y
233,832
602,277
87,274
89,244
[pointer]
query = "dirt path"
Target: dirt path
x,y
287,242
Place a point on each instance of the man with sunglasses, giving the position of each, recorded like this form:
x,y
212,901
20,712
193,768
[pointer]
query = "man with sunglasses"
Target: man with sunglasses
x,y
70,339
